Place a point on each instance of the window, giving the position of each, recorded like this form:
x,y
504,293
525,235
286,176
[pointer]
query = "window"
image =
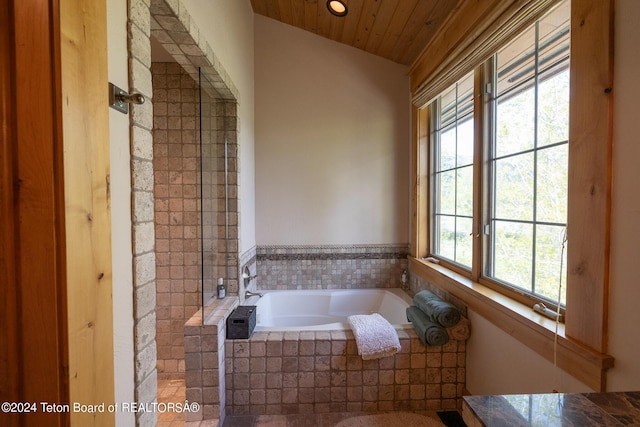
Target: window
x,y
452,179
496,23
524,164
528,158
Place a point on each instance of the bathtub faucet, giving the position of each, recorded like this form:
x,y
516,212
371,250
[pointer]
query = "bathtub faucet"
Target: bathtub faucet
x,y
404,281
247,277
249,294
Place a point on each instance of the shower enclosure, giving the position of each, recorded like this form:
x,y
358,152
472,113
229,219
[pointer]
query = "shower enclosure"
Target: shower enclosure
x,y
195,192
213,183
218,189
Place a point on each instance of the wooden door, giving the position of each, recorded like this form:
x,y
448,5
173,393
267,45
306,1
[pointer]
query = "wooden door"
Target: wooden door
x,y
33,348
56,337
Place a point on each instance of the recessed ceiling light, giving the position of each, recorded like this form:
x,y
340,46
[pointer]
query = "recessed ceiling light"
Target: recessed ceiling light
x,y
337,7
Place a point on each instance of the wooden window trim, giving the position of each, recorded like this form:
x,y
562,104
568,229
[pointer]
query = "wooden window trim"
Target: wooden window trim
x,y
522,323
473,33
583,340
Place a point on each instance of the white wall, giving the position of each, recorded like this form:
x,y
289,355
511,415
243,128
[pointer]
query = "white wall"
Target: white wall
x,y
624,316
121,214
227,25
332,141
497,363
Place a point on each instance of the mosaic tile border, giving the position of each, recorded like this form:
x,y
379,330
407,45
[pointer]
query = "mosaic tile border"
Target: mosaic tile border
x,y
328,252
331,266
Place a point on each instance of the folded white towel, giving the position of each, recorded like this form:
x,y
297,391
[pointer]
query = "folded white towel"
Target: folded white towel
x,y
375,337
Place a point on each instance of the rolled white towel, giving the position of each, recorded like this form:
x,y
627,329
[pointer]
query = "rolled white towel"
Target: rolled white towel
x,y
375,337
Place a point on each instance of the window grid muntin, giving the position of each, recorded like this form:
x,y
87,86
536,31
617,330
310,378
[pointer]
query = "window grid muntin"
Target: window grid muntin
x,y
540,74
452,116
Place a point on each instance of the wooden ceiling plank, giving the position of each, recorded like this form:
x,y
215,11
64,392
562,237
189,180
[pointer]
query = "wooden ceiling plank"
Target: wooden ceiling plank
x,y
351,21
273,9
311,15
396,30
396,27
383,20
286,12
297,11
428,30
336,28
324,19
259,7
365,25
412,28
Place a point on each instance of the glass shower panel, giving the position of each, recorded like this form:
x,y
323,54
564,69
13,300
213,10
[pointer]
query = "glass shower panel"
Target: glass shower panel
x,y
213,188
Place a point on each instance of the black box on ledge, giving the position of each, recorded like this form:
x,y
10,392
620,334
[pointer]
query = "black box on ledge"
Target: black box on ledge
x,y
241,322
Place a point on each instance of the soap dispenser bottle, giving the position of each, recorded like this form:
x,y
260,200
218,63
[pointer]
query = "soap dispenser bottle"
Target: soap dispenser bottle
x,y
222,290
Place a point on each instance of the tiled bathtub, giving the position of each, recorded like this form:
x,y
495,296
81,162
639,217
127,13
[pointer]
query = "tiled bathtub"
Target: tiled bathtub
x,y
276,372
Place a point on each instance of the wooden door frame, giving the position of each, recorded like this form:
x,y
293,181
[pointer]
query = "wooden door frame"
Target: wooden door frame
x,y
33,346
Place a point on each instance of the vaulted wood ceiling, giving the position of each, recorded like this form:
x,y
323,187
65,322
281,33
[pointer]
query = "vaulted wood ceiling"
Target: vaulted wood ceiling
x,y
394,29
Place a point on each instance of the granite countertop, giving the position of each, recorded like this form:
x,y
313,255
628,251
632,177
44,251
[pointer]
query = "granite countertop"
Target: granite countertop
x,y
554,409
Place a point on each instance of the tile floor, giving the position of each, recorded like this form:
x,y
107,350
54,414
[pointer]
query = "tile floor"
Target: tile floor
x,y
295,420
174,391
170,391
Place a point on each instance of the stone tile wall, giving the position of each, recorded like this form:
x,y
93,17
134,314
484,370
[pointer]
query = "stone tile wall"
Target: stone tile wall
x,y
177,211
330,267
204,346
189,187
172,26
317,372
142,217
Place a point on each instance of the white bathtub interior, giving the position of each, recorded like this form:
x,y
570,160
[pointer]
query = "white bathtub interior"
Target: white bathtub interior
x,y
326,309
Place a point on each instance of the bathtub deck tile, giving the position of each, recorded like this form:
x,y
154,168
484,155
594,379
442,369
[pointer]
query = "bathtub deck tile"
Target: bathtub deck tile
x,y
306,379
323,363
306,363
373,364
291,335
274,348
276,336
257,364
290,379
322,379
307,335
258,348
338,335
338,347
259,336
323,347
323,336
306,347
290,347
